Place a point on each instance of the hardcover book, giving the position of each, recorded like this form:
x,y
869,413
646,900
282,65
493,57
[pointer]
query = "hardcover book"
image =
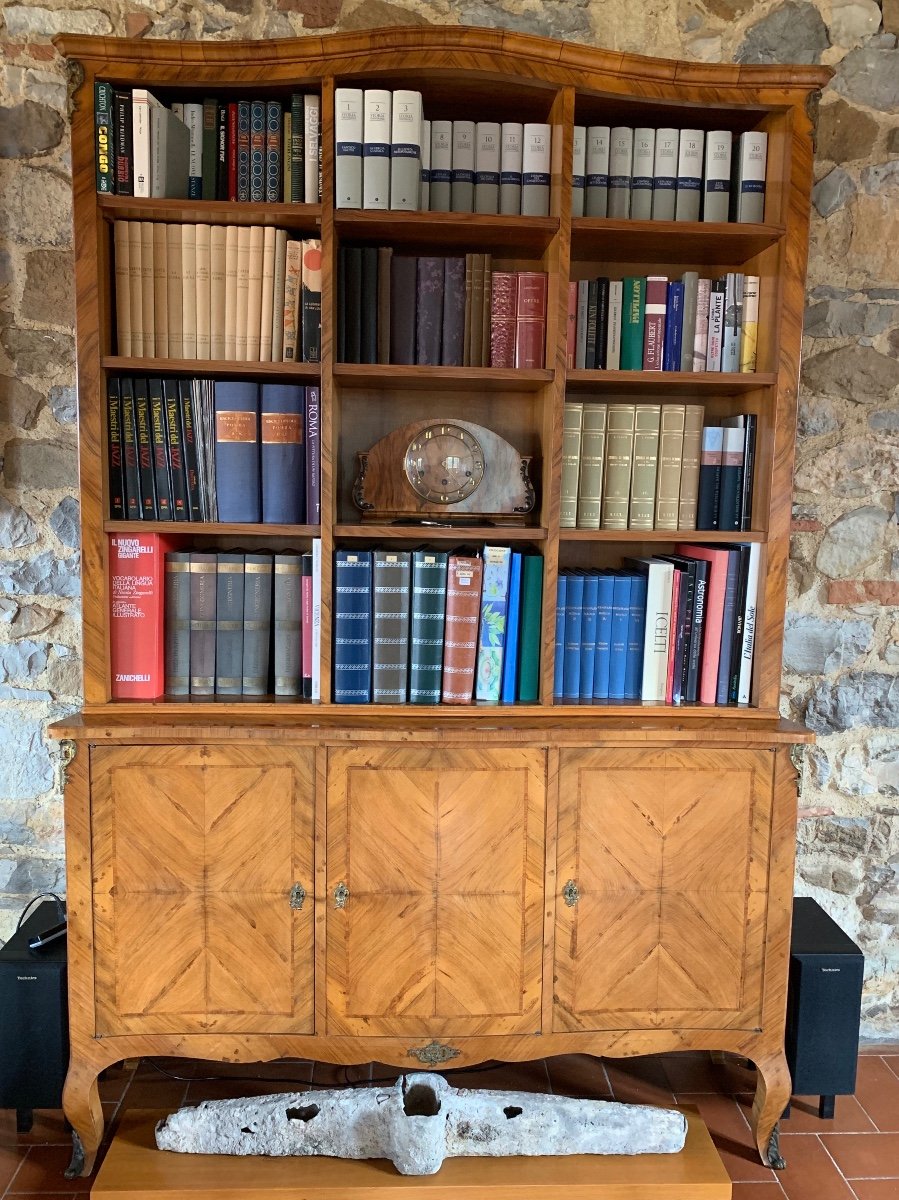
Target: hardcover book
x,y
405,151
535,170
229,600
530,638
512,134
282,453
257,623
136,590
237,452
492,632
352,626
428,607
287,581
463,606
596,203
391,579
202,623
177,623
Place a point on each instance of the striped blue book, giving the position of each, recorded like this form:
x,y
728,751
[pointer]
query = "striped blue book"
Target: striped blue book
x,y
674,327
621,603
510,659
602,659
352,627
237,452
558,661
257,151
492,632
588,636
636,634
243,150
574,615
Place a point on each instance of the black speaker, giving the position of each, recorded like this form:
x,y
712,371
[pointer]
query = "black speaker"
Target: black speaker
x,y
34,1019
823,1006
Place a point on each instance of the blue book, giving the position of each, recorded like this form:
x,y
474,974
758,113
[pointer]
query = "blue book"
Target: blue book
x,y
273,151
574,615
492,631
352,626
621,603
601,662
636,633
243,150
510,659
561,607
674,327
588,635
283,454
237,452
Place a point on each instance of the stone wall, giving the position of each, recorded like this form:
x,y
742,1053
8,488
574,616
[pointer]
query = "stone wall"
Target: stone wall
x,y
842,645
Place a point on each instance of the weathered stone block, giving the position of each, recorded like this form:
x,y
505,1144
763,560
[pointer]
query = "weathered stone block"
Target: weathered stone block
x,y
569,19
19,403
37,351
16,527
832,192
25,766
39,464
856,373
48,296
37,205
65,521
857,467
852,542
29,129
817,417
881,178
64,404
813,646
870,76
835,318
24,21
852,20
793,32
854,701
44,575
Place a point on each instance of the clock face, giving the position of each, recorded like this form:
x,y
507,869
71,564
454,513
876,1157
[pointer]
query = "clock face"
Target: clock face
x,y
444,464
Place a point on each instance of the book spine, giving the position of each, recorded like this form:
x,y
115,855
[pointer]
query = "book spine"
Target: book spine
x,y
750,340
122,133
487,167
148,288
368,305
160,292
231,255
253,309
175,450
710,477
593,456
571,651
122,254
579,171
385,255
503,318
282,454
257,151
659,585
209,149
429,311
613,339
596,203
689,175
405,151
728,618
160,450
136,606
647,419
463,603
716,195
133,506
313,456
536,168
675,632
583,311
312,148
307,605
352,304
717,295
232,151
425,193
690,465
144,443
618,635
592,315
510,161
674,327
571,327
229,598
189,450
140,140
278,290
177,623
530,638
492,631
636,636
632,321
237,451
188,290
221,163
559,643
601,659
352,626
731,479
733,322
174,286
736,644
376,148
203,284
135,288
289,627
243,152
403,269
587,664
671,452
391,578
701,333
273,152
316,682
572,425
750,199
292,283
115,458
428,607
619,461
744,685
750,424
440,191
453,337
509,689
602,322
530,323
654,322
311,300
621,163
684,630
664,182
257,624
202,623
462,189
690,282
193,119
642,178
269,253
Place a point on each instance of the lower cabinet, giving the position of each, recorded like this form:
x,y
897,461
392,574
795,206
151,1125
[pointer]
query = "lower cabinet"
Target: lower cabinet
x,y
199,854
663,876
435,867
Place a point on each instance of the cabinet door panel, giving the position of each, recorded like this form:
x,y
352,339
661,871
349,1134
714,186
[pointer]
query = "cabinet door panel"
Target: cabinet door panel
x,y
442,853
669,851
195,852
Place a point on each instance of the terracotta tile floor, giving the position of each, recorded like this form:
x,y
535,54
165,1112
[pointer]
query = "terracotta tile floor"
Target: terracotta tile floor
x,y
853,1157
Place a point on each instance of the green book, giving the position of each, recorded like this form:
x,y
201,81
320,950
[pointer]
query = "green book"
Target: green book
x,y
633,309
529,638
209,154
426,635
104,153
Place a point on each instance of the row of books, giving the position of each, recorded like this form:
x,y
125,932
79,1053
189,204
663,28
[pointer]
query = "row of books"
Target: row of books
x,y
651,323
387,156
184,623
673,629
451,312
668,174
245,293
428,627
653,466
198,450
238,150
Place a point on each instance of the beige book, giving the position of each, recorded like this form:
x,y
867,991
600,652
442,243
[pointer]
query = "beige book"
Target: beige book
x,y
749,343
286,157
242,300
619,460
202,277
593,457
189,290
122,289
135,247
671,453
231,233
268,296
254,293
217,292
647,420
278,298
174,288
572,420
291,294
147,288
160,291
689,472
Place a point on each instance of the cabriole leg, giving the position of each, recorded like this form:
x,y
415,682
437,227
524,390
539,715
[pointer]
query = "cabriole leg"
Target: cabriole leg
x,y
772,1093
81,1104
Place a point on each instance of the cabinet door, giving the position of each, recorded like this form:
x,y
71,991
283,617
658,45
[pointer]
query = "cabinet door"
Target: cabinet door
x,y
196,850
668,851
441,854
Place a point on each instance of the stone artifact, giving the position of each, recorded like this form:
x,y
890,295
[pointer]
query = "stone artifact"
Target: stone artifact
x,y
418,1122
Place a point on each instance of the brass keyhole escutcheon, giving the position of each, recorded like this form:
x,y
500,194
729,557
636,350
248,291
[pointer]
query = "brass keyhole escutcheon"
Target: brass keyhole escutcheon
x,y
341,895
297,896
571,893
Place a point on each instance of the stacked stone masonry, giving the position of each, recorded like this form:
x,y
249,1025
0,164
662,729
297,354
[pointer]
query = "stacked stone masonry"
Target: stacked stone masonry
x,y
841,661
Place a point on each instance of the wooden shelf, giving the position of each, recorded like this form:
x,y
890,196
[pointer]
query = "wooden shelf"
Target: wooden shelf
x,y
213,528
660,535
200,367
430,379
679,383
456,533
212,212
656,242
459,231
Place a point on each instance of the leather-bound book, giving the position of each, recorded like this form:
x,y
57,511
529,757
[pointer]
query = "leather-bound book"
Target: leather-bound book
x,y
368,306
237,451
429,311
139,346
485,311
453,312
503,310
654,322
288,614
160,292
202,623
144,445
530,328
428,608
689,474
463,610
593,458
229,625
177,473
257,623
122,288
282,453
476,311
391,576
291,309
647,420
352,627
385,254
115,448
177,623
160,450
133,508
269,238
529,639
203,283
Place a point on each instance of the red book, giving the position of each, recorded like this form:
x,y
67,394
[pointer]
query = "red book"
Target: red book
x,y
571,327
503,309
672,637
714,617
530,324
136,615
232,152
460,635
654,323
306,625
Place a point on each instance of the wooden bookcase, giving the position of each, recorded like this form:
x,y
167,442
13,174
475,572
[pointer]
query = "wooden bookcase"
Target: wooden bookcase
x,y
524,881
